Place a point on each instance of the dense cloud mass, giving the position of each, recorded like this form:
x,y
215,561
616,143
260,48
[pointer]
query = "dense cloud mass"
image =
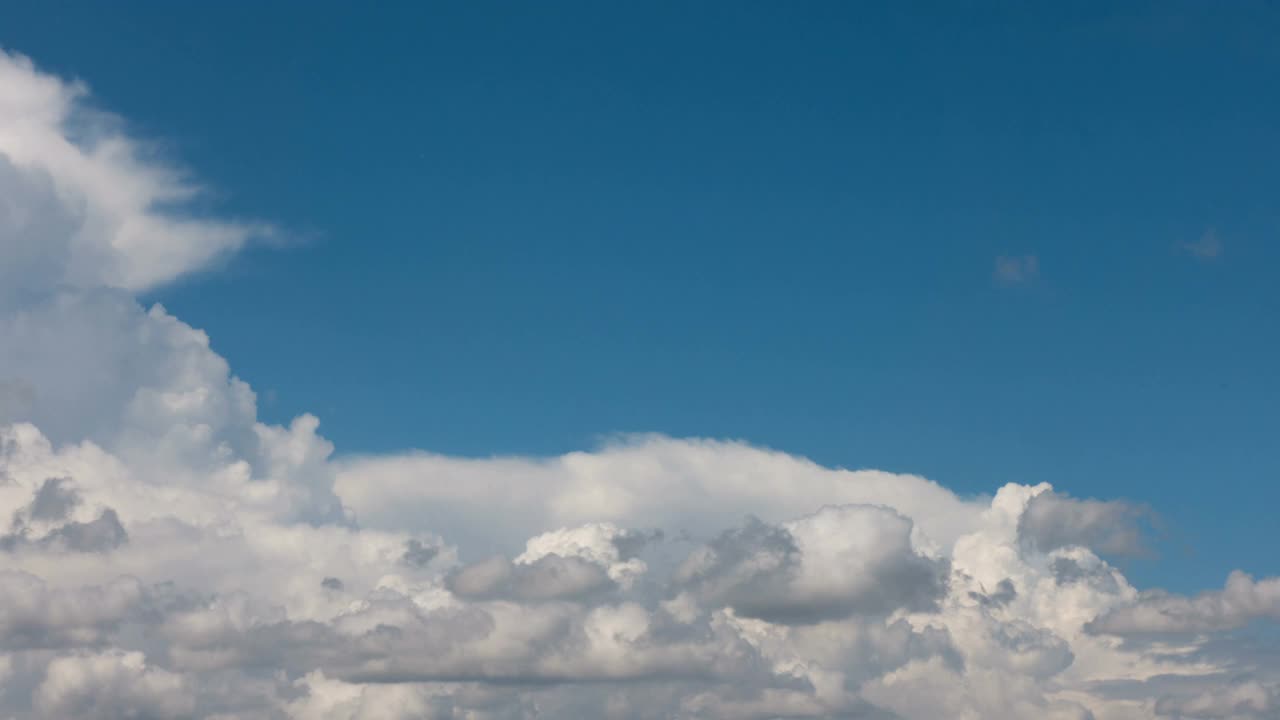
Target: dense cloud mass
x,y
164,554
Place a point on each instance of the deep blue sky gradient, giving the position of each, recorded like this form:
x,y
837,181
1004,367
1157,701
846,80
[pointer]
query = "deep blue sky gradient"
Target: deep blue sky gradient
x,y
524,226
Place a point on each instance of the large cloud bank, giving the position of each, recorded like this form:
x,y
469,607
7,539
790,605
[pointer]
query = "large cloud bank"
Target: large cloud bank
x,y
163,554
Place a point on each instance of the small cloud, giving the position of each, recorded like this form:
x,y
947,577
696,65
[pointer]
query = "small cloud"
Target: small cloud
x,y
1208,247
1017,269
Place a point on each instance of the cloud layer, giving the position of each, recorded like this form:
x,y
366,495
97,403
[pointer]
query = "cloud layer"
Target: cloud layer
x,y
167,555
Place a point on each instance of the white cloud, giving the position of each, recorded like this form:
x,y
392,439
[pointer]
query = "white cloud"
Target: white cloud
x,y
639,482
1208,247
1017,269
1240,602
110,685
550,577
837,562
36,616
603,544
1238,700
166,554
83,204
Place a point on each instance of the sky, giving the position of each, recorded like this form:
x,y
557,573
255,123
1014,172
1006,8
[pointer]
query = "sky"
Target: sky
x,y
641,325
518,230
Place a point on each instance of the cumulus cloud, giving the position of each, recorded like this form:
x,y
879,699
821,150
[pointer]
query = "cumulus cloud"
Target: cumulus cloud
x,y
550,577
167,554
51,509
1237,700
110,685
643,481
1240,602
837,562
37,616
83,204
1115,527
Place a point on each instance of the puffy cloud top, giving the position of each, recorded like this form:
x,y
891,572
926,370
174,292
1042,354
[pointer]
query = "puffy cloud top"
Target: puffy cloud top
x,y
835,563
1052,521
1242,601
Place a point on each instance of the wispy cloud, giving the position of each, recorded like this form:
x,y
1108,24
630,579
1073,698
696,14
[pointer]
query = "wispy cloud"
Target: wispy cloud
x,y
1208,247
1017,269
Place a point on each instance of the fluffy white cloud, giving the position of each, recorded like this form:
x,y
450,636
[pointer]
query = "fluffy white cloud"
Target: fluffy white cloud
x,y
82,204
639,482
837,562
110,685
603,544
1239,700
166,554
1240,602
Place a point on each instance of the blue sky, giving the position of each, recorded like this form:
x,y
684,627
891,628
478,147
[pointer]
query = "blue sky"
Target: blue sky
x,y
518,228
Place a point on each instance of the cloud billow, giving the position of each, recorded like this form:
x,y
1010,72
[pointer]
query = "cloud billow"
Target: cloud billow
x,y
836,563
165,553
1052,521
